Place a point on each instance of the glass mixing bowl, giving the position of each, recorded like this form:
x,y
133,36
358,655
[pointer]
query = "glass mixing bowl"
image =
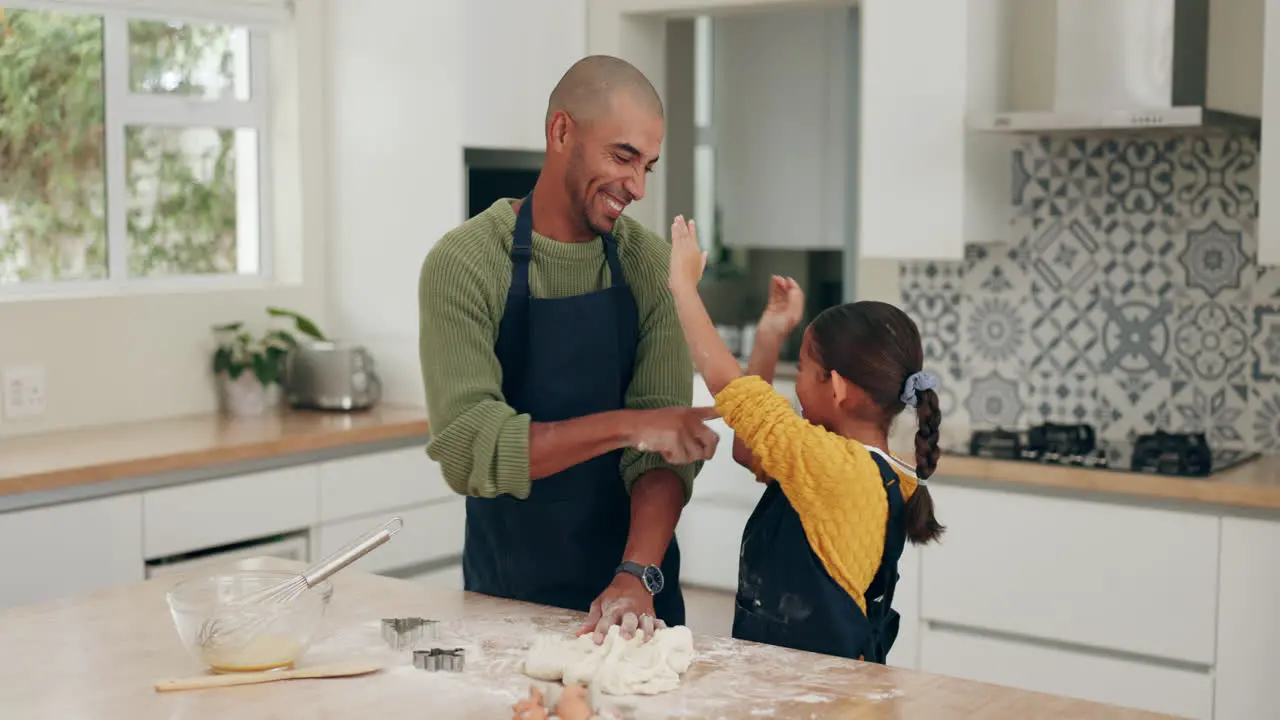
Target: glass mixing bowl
x,y
280,632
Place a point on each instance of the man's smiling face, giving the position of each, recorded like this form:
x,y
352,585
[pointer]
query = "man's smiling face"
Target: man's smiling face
x,y
610,159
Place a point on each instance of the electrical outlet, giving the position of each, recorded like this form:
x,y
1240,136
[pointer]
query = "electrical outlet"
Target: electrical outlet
x,y
24,392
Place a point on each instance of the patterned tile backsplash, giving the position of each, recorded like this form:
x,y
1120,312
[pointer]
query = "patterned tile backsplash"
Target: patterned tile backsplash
x,y
1127,297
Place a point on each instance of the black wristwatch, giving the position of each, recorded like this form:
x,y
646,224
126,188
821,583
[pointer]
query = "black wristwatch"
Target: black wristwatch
x,y
650,575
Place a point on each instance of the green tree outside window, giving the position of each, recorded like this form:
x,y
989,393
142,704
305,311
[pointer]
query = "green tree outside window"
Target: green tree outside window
x,y
180,182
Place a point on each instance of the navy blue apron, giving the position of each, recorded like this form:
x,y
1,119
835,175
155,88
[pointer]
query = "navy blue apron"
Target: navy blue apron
x,y
563,358
786,596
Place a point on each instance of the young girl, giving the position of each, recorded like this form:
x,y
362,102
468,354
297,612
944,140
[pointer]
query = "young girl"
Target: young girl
x,y
820,553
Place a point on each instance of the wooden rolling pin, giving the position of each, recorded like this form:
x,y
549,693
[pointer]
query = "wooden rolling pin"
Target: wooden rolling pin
x,y
351,669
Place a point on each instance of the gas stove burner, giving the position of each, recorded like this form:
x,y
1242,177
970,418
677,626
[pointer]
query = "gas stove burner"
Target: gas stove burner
x,y
1052,441
1172,454
1000,444
1159,452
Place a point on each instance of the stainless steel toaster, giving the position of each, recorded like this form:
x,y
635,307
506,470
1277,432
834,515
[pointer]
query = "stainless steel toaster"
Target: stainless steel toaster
x,y
330,375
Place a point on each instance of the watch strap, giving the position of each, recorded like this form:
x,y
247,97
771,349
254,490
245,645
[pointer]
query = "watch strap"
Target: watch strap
x,y
631,568
641,573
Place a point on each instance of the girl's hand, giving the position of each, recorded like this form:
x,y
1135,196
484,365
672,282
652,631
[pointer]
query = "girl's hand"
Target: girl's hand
x,y
687,258
785,308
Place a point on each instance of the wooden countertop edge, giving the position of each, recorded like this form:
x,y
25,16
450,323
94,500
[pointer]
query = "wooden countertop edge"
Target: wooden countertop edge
x,y
1229,488
195,459
1254,485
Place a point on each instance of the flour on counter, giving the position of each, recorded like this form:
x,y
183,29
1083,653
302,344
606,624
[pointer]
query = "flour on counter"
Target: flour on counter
x,y
617,666
729,681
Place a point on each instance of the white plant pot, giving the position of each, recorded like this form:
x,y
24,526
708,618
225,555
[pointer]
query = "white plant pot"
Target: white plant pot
x,y
245,396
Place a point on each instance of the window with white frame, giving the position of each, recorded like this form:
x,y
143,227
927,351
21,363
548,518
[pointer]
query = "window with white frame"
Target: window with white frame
x,y
133,141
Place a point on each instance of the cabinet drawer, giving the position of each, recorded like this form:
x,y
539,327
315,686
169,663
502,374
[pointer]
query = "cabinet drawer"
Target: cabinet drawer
x,y
906,600
1248,661
72,549
1086,676
721,476
218,512
710,535
448,577
379,481
1083,572
430,532
723,480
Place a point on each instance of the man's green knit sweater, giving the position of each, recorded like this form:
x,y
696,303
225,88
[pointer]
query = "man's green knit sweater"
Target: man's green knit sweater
x,y
481,443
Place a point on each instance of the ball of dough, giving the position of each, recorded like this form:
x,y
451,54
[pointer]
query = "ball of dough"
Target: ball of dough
x,y
618,666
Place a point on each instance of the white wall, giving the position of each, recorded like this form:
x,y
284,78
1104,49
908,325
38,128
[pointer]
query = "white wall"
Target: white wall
x,y
395,164
122,358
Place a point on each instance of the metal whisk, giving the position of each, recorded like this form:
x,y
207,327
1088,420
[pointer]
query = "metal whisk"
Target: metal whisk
x,y
247,615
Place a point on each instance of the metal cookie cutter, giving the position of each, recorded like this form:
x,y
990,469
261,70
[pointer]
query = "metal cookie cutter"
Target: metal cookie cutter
x,y
439,659
401,633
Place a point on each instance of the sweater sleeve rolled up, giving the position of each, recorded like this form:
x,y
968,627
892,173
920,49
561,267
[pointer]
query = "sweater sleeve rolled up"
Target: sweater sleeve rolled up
x,y
481,443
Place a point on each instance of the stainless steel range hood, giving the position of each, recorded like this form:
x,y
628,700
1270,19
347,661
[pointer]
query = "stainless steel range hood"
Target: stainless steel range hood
x,y
1136,64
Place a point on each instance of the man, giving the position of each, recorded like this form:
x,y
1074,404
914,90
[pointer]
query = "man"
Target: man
x,y
557,377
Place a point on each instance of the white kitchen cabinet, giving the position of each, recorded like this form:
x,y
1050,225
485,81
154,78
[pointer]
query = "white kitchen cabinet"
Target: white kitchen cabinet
x,y
710,535
722,478
906,600
213,513
927,185
1248,664
448,577
1093,574
434,531
782,127
515,53
374,482
711,524
70,549
1177,691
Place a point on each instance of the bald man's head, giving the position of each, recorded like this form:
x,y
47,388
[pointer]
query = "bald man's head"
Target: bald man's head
x,y
589,87
604,134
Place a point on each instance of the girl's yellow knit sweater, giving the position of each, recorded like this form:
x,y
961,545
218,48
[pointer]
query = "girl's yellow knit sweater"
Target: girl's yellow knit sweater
x,y
832,482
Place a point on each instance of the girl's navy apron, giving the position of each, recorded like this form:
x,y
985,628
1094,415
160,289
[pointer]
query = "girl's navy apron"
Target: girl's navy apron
x,y
786,596
563,358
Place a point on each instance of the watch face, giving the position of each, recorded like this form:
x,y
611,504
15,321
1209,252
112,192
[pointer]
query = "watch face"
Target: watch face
x,y
653,579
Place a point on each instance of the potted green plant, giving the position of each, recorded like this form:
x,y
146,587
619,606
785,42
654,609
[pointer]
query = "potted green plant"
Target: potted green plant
x,y
248,368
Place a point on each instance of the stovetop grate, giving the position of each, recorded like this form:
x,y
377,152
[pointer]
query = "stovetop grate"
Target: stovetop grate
x,y
1159,453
